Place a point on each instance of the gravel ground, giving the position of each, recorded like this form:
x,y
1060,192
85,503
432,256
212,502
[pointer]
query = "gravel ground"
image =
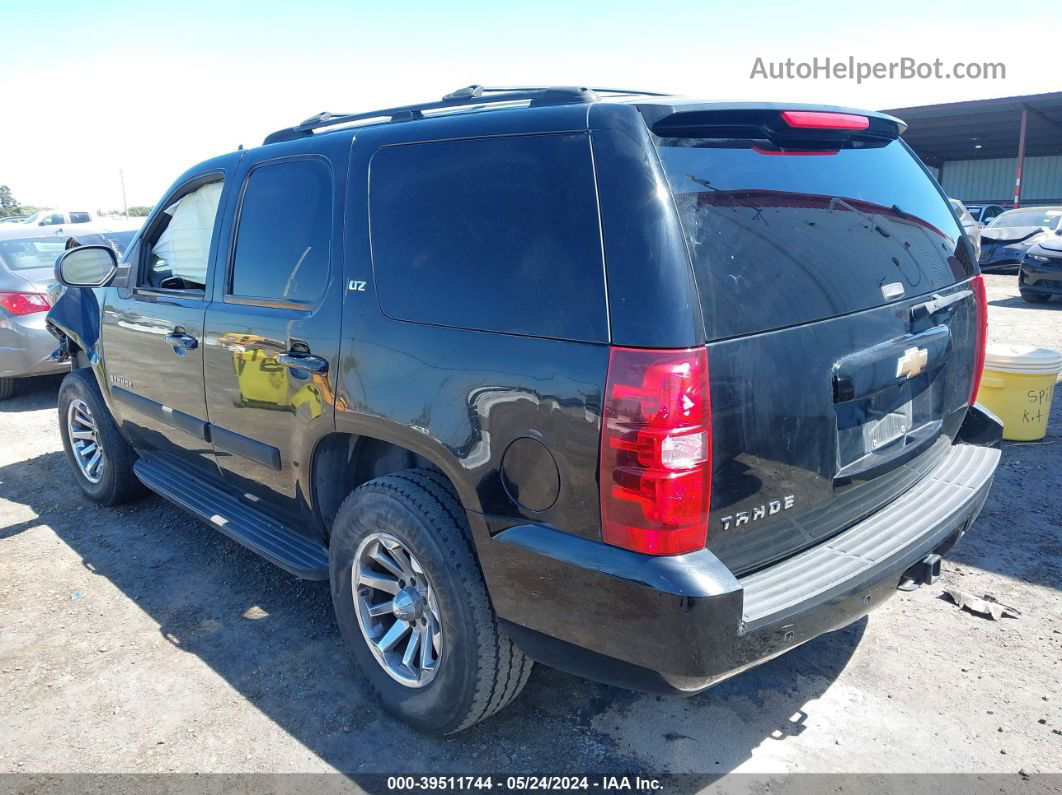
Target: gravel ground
x,y
138,640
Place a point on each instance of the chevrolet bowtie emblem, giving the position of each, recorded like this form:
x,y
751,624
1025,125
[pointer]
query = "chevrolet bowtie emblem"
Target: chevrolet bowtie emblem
x,y
913,361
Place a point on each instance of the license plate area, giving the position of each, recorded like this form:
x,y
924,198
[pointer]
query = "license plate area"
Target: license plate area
x,y
875,428
882,428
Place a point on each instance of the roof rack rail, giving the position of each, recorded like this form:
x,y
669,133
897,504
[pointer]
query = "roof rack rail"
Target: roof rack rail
x,y
468,96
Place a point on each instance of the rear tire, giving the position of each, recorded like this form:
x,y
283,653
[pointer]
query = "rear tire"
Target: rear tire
x,y
112,481
477,669
7,388
1034,298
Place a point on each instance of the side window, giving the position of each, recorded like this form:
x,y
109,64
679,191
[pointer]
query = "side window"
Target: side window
x,y
79,218
283,239
179,247
495,234
54,219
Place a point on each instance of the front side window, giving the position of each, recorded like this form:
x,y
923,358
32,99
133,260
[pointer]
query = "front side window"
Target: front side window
x,y
285,231
180,253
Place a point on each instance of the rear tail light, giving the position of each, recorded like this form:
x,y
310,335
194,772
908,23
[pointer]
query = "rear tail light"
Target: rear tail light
x,y
24,303
824,120
656,451
981,301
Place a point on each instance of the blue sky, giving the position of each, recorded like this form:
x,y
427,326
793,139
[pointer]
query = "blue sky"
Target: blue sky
x,y
93,87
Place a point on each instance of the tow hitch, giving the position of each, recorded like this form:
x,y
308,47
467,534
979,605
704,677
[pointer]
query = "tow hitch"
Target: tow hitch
x,y
925,572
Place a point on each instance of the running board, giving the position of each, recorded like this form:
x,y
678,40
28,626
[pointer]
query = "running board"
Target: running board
x,y
240,522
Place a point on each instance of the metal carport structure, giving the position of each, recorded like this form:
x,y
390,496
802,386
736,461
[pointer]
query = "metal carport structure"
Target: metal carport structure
x,y
976,145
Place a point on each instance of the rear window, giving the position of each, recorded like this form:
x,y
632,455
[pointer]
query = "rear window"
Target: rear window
x,y
496,234
780,240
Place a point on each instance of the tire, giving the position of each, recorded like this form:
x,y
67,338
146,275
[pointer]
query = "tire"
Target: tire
x,y
116,482
7,388
479,670
1034,298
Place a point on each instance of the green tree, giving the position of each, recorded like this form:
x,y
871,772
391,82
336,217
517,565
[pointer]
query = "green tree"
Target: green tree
x,y
8,202
139,211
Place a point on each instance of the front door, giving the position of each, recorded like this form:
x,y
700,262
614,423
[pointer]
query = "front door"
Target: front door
x,y
273,330
152,326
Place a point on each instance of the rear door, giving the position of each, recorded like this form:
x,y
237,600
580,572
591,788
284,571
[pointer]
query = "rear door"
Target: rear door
x,y
152,326
842,323
273,329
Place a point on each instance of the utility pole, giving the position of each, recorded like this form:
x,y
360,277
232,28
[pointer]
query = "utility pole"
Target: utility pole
x,y
1021,156
125,204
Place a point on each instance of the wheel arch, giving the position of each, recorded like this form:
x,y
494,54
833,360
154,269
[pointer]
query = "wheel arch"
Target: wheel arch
x,y
343,460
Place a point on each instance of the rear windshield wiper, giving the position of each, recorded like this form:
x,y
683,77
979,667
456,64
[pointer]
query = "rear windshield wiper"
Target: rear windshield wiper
x,y
937,303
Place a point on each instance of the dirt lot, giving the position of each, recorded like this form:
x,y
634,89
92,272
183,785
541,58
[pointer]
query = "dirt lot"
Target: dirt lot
x,y
137,640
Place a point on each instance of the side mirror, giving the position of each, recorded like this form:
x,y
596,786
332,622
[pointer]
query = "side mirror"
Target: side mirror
x,y
86,266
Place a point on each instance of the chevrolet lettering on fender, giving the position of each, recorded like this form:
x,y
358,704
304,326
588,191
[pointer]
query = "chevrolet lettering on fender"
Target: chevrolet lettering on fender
x,y
714,460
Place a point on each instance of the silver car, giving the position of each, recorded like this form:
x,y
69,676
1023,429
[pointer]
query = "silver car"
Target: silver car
x,y
969,224
27,261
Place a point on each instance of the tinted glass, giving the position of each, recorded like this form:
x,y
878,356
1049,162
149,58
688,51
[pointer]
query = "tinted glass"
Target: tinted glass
x,y
781,240
79,218
285,232
497,234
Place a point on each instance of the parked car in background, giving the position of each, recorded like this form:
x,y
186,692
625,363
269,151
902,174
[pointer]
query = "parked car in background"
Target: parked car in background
x,y
1005,240
28,290
559,410
984,214
1040,273
969,225
60,217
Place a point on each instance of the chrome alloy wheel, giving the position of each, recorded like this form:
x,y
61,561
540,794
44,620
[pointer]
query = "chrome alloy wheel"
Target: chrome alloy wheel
x,y
397,611
84,440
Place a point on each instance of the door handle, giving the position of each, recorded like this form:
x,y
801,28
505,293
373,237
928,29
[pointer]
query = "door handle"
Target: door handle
x,y
179,339
303,362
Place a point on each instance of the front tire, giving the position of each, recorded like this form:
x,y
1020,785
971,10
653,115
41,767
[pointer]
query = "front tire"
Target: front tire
x,y
1034,298
101,459
402,563
7,388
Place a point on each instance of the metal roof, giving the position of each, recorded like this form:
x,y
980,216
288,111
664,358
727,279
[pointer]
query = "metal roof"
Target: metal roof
x,y
983,128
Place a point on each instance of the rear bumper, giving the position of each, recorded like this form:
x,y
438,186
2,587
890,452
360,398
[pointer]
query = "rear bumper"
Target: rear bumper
x,y
25,345
683,623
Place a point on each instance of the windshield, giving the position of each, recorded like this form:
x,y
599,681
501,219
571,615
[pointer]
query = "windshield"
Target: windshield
x,y
1047,217
782,240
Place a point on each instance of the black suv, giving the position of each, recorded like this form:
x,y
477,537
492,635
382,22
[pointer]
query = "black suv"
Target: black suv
x,y
646,389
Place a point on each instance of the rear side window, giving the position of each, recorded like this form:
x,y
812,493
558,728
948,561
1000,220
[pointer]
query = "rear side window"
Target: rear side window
x,y
79,218
497,234
283,242
780,240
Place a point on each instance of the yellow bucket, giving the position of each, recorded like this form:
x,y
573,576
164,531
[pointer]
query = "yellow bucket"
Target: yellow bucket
x,y
1017,386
